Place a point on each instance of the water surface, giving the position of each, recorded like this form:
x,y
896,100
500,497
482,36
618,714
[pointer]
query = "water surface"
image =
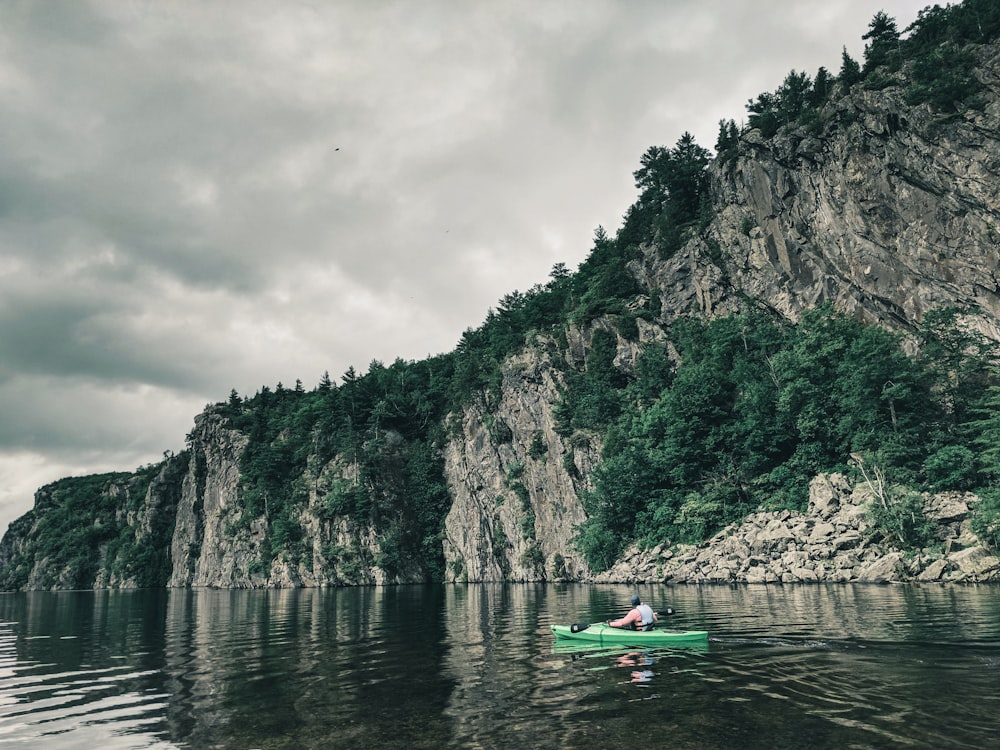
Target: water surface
x,y
823,666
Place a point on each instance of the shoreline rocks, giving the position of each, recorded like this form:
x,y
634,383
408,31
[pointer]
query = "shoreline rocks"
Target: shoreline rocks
x,y
831,542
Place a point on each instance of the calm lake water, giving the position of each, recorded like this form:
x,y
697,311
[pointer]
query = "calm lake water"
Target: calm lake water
x,y
475,667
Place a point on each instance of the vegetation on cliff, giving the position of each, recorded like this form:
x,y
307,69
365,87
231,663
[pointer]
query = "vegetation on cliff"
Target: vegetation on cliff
x,y
756,408
933,61
83,527
386,426
715,420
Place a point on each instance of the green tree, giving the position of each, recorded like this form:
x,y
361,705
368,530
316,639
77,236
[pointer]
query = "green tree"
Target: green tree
x,y
821,89
944,78
727,142
687,180
673,185
763,114
845,388
959,360
850,70
593,398
793,96
883,46
986,430
985,517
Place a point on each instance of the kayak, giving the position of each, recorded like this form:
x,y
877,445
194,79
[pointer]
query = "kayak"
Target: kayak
x,y
602,634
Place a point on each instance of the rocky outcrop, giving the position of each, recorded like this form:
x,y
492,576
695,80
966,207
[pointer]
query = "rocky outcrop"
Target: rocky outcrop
x,y
832,541
887,212
514,481
216,544
212,545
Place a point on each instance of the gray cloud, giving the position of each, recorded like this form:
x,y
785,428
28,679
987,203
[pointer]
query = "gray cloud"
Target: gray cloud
x,y
201,196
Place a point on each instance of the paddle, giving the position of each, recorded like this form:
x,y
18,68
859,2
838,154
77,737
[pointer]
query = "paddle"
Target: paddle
x,y
576,627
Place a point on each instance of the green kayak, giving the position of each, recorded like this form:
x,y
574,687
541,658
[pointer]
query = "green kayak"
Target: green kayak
x,y
601,634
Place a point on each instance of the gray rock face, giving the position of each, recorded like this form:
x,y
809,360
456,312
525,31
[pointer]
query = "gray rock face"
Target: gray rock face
x,y
210,547
891,211
515,503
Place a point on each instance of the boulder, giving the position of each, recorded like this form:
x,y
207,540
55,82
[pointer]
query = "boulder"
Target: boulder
x,y
882,569
976,562
934,572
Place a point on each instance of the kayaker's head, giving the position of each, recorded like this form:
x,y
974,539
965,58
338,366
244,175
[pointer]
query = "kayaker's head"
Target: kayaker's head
x,y
636,601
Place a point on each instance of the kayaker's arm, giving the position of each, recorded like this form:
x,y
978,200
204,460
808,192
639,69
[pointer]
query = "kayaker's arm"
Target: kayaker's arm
x,y
631,617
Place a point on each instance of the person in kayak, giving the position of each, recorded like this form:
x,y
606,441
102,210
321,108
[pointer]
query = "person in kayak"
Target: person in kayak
x,y
641,617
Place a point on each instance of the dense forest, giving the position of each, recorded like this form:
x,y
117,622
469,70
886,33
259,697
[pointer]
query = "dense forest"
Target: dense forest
x,y
730,415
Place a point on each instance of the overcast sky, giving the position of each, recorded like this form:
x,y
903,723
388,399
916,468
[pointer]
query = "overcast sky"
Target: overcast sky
x,y
199,196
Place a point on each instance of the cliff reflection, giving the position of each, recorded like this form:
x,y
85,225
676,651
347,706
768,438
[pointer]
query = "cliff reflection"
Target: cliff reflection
x,y
290,668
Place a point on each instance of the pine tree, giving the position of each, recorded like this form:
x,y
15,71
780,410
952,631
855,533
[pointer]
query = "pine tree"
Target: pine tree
x,y
884,43
850,71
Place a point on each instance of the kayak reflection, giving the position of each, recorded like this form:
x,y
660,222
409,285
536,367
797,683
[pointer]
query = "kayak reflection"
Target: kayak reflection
x,y
642,666
635,660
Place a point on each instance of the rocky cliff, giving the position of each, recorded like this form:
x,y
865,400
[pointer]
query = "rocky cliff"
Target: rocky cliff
x,y
883,209
887,212
515,483
215,544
